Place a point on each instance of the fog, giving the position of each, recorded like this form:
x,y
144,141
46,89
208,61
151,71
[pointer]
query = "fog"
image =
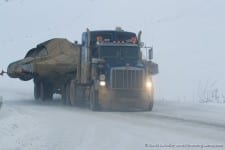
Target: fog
x,y
187,36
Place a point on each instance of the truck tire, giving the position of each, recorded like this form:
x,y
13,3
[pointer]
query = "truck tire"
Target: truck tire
x,y
73,95
151,103
63,94
49,93
67,94
36,90
45,91
42,91
94,105
150,107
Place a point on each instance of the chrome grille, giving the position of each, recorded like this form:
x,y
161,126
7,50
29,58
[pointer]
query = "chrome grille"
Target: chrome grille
x,y
123,78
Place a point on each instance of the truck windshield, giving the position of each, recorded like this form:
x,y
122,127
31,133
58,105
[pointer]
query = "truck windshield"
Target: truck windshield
x,y
119,52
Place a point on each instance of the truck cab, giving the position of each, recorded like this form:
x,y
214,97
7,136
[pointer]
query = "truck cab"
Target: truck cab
x,y
113,69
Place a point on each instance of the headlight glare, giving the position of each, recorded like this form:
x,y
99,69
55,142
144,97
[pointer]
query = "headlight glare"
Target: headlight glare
x,y
149,84
102,83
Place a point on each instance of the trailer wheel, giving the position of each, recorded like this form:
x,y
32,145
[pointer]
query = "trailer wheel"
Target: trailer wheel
x,y
42,91
63,94
49,93
67,94
45,91
94,105
36,90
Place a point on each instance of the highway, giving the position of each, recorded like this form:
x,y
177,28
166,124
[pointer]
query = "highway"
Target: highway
x,y
27,124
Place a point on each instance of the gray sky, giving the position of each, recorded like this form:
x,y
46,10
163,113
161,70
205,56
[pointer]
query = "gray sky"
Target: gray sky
x,y
187,36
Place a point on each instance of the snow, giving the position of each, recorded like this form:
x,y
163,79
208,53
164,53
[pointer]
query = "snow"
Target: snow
x,y
27,124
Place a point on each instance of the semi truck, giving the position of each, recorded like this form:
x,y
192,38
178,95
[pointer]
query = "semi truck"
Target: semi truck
x,y
106,71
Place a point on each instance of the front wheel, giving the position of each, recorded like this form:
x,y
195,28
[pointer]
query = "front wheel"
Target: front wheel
x,y
94,105
150,106
151,102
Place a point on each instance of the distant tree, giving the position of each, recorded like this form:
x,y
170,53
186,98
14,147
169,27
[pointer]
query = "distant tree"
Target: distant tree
x,y
210,93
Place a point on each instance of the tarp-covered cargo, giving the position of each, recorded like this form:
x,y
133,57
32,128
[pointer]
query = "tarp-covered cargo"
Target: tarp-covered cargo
x,y
49,59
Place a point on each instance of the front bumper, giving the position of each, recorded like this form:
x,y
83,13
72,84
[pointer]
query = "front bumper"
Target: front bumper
x,y
125,99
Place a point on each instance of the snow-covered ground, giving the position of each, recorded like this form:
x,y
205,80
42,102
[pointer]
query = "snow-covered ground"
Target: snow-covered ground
x,y
26,124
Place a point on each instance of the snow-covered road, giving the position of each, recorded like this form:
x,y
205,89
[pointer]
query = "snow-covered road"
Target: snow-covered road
x,y
29,125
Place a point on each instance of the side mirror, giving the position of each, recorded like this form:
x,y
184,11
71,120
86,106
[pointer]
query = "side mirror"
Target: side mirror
x,y
141,44
150,53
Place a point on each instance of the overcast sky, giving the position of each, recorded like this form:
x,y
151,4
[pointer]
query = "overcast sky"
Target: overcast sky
x,y
188,36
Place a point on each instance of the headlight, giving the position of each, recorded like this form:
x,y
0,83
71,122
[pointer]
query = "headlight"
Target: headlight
x,y
102,83
149,84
